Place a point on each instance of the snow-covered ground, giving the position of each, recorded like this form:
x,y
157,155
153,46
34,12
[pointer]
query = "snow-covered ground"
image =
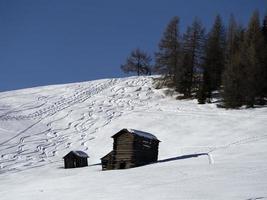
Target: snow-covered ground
x,y
39,126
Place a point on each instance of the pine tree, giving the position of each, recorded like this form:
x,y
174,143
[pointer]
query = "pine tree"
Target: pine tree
x,y
264,28
233,82
233,77
168,56
233,38
138,62
202,90
184,79
264,31
214,59
253,59
193,42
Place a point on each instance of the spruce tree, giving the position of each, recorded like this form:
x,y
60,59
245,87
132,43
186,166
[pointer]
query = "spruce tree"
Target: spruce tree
x,y
138,62
193,43
202,89
233,73
214,59
233,37
264,31
253,59
168,56
233,82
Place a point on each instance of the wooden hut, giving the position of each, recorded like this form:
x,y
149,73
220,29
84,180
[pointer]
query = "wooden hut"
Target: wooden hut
x,y
131,148
75,159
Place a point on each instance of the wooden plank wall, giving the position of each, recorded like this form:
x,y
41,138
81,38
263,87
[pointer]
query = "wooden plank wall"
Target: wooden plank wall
x,y
123,150
145,151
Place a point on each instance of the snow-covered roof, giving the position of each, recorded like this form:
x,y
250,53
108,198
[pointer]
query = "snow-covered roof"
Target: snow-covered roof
x,y
143,134
79,153
138,133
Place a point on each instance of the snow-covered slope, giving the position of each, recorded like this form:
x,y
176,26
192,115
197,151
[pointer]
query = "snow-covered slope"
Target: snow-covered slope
x,y
39,126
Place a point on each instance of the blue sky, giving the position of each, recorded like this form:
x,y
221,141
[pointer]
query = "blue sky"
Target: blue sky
x,y
60,41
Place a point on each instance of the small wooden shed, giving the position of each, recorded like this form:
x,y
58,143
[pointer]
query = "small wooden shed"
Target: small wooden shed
x,y
131,148
75,159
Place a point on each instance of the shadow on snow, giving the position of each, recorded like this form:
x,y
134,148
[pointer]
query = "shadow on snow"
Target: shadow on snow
x,y
182,157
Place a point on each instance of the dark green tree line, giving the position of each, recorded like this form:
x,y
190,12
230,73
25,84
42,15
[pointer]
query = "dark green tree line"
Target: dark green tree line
x,y
228,62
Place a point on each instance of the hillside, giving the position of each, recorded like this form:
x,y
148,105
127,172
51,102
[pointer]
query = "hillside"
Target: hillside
x,y
39,126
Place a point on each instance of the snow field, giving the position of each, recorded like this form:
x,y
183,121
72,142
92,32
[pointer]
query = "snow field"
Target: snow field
x,y
39,126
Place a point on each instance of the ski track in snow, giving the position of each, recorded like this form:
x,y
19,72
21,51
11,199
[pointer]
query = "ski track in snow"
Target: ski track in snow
x,y
72,119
